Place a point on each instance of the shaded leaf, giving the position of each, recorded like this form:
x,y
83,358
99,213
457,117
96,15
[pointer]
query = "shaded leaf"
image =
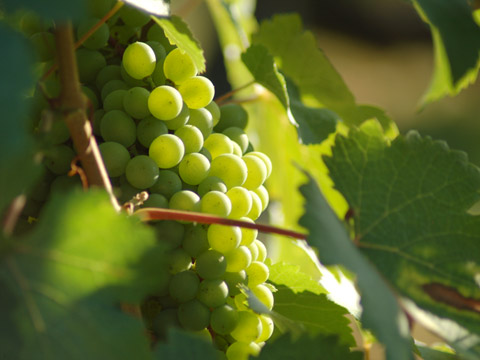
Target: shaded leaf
x,y
291,276
183,345
154,7
434,354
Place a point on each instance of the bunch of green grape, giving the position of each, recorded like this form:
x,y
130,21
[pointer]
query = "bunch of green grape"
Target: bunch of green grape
x,y
160,131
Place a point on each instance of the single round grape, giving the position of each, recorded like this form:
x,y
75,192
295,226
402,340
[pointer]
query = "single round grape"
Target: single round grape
x,y
206,153
257,172
265,158
249,327
135,102
119,127
167,150
168,183
98,8
141,172
238,136
238,259
130,81
215,202
89,63
224,238
241,202
109,72
211,183
257,273
139,60
230,168
56,129
197,91
170,232
98,39
165,102
233,279
262,193
111,86
213,292
178,260
30,23
184,200
210,264
115,157
262,250
44,45
202,119
159,50
267,328
58,159
180,120
97,118
194,168
214,109
157,201
193,315
242,351
195,240
253,250
218,144
264,294
114,100
248,235
223,319
148,129
192,138
256,206
179,66
232,115
91,97
133,17
183,286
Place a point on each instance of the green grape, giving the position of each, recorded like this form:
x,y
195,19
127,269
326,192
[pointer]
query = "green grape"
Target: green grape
x,y
170,232
149,129
253,250
216,202
97,117
123,34
262,193
156,33
256,206
265,158
193,315
168,183
30,23
210,264
180,120
130,81
89,63
109,72
141,172
213,292
159,51
211,183
194,168
133,17
241,202
224,238
267,328
115,157
114,100
249,327
230,168
184,200
248,235
262,250
239,136
214,109
58,159
111,86
257,273
167,150
139,60
165,102
98,39
240,301
257,172
264,294
179,66
119,127
126,191
202,119
178,260
56,129
43,45
233,279
242,351
98,8
223,319
238,259
236,149
157,201
92,99
206,153
197,91
192,138
195,240
183,286
65,183
218,144
135,102
164,321
232,115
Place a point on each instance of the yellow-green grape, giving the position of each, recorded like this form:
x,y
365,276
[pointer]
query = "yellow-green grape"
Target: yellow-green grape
x,y
215,202
264,294
223,319
139,60
218,144
256,207
249,327
242,351
156,200
193,168
236,149
238,136
211,183
202,119
240,301
212,292
257,172
180,120
165,102
197,92
241,202
223,238
248,235
179,66
262,250
262,193
253,250
238,259
210,264
231,169
267,328
265,158
257,273
166,150
233,279
184,200
214,109
192,138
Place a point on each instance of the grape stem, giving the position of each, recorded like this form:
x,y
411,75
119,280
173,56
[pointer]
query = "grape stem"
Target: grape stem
x,y
148,214
73,106
229,94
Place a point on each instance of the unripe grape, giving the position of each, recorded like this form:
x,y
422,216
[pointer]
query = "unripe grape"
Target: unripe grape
x,y
211,264
115,157
195,240
179,260
170,232
249,327
211,183
168,183
96,40
183,286
267,328
156,200
202,119
216,202
223,319
179,66
242,351
224,238
58,159
232,115
197,91
135,102
238,259
193,315
231,169
165,102
241,201
214,109
184,200
114,100
257,273
218,144
192,138
257,172
148,129
119,127
141,172
166,150
194,168
139,60
212,292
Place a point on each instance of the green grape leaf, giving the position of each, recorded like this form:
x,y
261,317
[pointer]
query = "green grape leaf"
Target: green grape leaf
x,y
16,148
184,345
315,313
381,312
410,199
154,7
456,40
308,348
70,274
291,276
434,354
50,9
178,33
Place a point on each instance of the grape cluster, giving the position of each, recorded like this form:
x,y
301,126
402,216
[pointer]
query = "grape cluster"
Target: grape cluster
x,y
160,131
